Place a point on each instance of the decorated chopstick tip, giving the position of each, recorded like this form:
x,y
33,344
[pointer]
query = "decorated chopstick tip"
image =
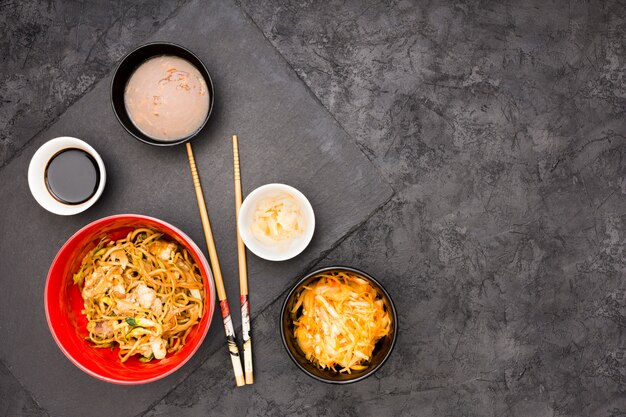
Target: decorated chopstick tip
x,y
231,341
247,339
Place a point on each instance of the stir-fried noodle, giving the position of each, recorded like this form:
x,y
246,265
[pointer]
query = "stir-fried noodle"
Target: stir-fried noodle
x,y
141,293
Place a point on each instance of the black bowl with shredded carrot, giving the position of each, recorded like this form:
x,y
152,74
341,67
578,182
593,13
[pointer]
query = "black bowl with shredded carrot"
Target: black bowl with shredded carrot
x,y
338,325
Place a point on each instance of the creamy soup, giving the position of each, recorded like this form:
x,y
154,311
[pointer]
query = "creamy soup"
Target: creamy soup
x,y
167,98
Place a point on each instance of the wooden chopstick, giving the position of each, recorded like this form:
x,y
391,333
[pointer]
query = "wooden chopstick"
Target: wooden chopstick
x,y
217,273
243,272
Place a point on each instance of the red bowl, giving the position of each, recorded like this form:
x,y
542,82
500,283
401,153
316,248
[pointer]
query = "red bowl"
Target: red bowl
x,y
64,303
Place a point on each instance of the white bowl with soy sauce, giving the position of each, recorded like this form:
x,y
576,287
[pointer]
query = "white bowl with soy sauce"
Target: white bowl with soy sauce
x,y
66,176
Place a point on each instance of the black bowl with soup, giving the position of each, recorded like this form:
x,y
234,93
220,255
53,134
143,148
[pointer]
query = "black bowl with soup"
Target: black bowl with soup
x,y
162,94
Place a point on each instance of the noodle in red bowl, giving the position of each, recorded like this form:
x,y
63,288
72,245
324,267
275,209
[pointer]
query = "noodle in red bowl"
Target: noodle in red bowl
x,y
129,330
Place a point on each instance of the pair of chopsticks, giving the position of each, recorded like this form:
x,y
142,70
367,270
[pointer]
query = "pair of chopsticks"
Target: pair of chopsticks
x,y
231,341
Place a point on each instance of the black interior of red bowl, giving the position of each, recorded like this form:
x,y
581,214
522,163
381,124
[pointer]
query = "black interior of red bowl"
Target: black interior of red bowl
x,y
381,351
129,64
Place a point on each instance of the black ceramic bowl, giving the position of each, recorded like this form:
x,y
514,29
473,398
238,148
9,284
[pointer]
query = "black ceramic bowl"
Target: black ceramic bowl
x,y
126,68
381,352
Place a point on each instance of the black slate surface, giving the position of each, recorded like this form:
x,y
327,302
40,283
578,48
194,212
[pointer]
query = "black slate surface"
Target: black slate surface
x,y
501,125
15,400
57,51
285,136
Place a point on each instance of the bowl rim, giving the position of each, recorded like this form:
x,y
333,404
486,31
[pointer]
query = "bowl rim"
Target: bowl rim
x,y
210,306
208,79
393,312
257,247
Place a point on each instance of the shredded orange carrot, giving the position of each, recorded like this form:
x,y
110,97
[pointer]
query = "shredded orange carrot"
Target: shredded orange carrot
x,y
342,318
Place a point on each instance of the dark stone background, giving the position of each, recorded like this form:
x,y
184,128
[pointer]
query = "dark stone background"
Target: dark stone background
x,y
500,125
54,51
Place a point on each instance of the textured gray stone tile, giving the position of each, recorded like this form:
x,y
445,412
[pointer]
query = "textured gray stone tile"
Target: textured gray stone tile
x,y
503,126
14,399
280,389
418,83
524,321
285,136
514,317
53,52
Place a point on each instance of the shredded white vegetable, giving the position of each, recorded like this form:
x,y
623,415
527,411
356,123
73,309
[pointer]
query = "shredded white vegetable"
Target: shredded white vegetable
x,y
278,218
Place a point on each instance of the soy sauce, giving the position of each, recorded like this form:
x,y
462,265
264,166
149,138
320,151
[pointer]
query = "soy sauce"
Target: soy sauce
x,y
72,176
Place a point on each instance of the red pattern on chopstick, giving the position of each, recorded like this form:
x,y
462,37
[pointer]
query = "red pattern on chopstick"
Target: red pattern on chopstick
x,y
225,309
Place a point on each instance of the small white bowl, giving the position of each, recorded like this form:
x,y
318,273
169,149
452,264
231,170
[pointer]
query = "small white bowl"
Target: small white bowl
x,y
283,250
37,180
